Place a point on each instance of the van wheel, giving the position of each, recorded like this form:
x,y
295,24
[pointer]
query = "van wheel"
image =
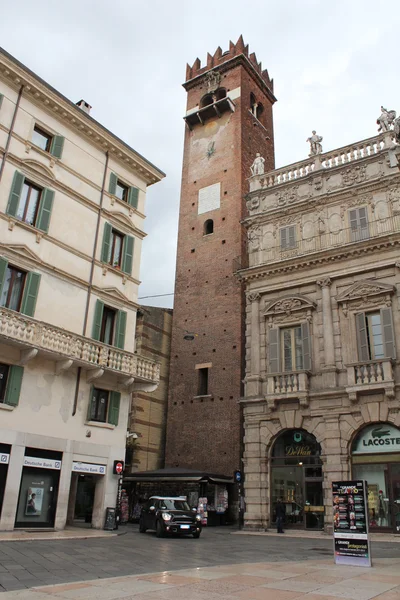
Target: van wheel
x,y
159,530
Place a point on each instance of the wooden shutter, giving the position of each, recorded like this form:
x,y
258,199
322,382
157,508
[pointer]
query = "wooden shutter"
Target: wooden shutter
x,y
362,340
112,186
44,212
120,327
306,341
273,350
127,254
15,193
291,236
3,269
14,382
97,320
57,146
388,333
133,197
106,247
29,297
284,238
113,409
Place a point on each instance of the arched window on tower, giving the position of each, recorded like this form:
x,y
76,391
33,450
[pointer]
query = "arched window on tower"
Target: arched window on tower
x,y
253,104
220,93
206,100
259,111
208,227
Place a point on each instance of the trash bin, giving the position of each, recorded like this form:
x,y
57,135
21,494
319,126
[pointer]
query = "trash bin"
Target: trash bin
x,y
110,522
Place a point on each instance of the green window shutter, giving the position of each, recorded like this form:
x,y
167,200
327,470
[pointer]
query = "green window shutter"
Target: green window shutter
x,y
362,340
44,212
3,269
106,247
57,146
97,320
29,297
112,187
14,382
388,333
119,341
133,197
15,193
306,340
273,350
113,409
127,254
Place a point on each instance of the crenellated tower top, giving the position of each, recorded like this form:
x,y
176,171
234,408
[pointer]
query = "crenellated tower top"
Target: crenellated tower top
x,y
219,60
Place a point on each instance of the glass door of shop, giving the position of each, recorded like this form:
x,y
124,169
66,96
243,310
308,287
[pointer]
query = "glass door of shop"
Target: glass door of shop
x,y
37,498
314,504
395,496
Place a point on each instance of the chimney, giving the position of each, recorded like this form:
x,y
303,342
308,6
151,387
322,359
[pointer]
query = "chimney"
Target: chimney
x,y
84,106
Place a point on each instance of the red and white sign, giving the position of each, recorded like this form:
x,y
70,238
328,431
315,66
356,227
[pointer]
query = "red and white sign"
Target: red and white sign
x,y
118,468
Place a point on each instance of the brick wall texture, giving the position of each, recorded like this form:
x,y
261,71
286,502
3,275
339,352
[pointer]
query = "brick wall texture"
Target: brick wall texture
x,y
205,432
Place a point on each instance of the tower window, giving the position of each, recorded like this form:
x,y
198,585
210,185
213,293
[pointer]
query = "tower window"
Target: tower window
x,y
203,382
208,227
256,108
206,100
220,93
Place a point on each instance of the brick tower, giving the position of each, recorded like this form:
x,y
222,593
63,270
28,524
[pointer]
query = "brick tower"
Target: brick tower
x,y
228,120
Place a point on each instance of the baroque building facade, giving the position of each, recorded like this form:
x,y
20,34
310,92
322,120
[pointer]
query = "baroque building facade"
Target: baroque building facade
x,y
72,200
228,119
322,391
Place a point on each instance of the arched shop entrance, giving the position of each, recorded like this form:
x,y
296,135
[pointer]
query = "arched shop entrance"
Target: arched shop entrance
x,y
296,479
375,456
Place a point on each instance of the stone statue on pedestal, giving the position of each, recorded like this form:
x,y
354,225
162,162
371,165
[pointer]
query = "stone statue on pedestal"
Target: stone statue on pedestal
x,y
315,144
257,168
386,119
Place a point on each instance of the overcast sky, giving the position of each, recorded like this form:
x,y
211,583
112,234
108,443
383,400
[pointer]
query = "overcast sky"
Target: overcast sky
x,y
333,64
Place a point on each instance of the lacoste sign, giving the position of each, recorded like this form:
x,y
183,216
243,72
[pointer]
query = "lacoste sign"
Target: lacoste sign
x,y
377,438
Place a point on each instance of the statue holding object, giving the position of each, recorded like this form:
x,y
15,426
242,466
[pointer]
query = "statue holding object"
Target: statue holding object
x,y
315,144
257,168
386,119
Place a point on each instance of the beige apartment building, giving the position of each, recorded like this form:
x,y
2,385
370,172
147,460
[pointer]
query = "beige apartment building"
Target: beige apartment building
x,y
322,379
72,202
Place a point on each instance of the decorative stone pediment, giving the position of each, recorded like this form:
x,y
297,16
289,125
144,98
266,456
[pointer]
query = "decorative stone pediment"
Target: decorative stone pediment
x,y
123,220
21,250
366,294
113,291
289,308
37,167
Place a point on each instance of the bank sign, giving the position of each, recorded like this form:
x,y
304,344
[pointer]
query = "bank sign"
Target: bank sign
x,y
378,438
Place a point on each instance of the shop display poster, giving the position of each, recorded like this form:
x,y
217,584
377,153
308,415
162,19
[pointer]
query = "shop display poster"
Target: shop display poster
x,y
34,501
350,523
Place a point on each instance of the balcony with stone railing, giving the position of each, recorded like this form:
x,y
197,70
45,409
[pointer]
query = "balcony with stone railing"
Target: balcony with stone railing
x,y
285,386
67,349
370,377
339,157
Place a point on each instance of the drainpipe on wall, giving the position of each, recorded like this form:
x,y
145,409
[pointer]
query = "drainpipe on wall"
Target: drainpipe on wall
x,y
6,150
89,292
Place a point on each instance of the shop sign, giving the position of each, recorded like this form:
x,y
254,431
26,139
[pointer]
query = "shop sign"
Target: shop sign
x,y
298,450
378,438
4,458
350,523
81,467
42,463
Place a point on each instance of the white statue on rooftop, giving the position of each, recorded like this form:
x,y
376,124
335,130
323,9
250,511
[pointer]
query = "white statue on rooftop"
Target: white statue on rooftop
x,y
315,144
386,119
396,130
257,168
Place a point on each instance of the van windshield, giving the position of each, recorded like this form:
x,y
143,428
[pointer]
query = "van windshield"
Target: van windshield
x,y
169,504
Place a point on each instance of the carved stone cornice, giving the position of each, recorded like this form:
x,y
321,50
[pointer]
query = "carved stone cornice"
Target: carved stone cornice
x,y
39,92
366,294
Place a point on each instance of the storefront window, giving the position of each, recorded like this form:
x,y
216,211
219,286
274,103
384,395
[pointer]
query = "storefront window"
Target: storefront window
x,y
376,459
296,479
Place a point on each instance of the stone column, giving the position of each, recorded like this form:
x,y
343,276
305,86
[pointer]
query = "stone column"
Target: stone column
x,y
334,467
64,491
253,480
329,348
253,379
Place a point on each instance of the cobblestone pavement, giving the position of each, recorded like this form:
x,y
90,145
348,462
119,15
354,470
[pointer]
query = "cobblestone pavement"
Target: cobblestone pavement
x,y
29,564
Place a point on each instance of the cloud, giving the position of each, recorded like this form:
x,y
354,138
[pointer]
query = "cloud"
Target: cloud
x,y
333,65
